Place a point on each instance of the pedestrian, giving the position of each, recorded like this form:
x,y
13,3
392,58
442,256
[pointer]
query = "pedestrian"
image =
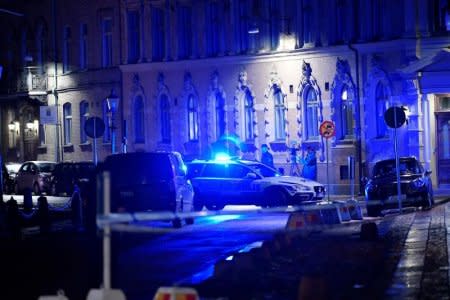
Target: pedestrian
x,y
266,156
293,159
309,164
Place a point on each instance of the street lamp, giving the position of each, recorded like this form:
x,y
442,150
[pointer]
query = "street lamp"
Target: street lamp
x,y
113,103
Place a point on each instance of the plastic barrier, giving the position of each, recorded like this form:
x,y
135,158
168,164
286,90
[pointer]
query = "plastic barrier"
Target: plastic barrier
x,y
176,293
296,220
355,210
330,214
344,210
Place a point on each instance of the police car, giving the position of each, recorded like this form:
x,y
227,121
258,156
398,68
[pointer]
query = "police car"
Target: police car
x,y
226,181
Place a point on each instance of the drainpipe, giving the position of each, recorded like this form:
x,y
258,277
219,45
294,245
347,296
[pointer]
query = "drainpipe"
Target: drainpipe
x,y
58,153
358,102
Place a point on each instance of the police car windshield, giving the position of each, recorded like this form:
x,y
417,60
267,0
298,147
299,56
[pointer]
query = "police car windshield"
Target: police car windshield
x,y
263,170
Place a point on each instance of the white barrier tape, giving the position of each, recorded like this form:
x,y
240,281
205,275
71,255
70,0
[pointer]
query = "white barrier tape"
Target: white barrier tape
x,y
117,218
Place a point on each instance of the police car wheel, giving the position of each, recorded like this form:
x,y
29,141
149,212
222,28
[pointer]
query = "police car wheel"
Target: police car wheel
x,y
274,197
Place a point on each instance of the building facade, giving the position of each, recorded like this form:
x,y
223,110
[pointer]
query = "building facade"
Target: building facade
x,y
191,74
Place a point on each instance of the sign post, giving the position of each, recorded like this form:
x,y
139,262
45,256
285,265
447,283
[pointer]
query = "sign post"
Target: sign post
x,y
395,117
94,128
327,130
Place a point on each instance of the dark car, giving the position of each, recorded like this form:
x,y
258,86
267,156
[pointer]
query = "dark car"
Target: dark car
x,y
68,174
218,183
34,175
381,190
149,181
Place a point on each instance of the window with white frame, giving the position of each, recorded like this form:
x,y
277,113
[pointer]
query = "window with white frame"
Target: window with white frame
x,y
67,35
42,134
133,36
139,120
346,113
311,102
280,116
184,19
165,118
67,115
220,115
84,115
275,24
382,104
248,116
192,118
106,42
41,45
307,22
107,120
158,36
83,46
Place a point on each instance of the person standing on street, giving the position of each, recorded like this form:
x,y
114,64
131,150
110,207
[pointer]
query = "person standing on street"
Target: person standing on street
x,y
266,156
310,165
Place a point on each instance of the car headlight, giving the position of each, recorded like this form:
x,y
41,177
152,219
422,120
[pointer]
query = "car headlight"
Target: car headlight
x,y
418,183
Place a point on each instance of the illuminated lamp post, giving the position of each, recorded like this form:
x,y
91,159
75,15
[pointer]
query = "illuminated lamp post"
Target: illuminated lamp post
x,y
113,103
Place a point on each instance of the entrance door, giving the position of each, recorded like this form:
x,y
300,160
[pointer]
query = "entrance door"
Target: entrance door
x,y
443,148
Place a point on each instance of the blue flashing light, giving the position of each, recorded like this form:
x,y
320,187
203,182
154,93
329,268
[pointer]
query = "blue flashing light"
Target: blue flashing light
x,y
222,157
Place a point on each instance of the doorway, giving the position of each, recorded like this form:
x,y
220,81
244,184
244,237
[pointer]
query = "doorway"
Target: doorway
x,y
443,148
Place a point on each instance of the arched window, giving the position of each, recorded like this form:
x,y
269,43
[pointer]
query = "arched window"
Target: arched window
x,y
280,117
165,118
381,102
67,114
346,117
106,119
311,102
84,114
192,118
248,116
139,125
220,115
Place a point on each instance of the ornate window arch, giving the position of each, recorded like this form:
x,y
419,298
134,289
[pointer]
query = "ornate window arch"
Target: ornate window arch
x,y
309,106
191,105
163,100
344,111
216,113
275,109
139,119
245,113
378,92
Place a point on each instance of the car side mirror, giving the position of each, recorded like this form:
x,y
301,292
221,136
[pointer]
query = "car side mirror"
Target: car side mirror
x,y
251,175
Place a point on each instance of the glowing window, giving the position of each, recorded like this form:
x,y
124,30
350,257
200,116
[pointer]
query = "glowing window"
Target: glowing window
x,y
311,114
346,113
192,118
67,114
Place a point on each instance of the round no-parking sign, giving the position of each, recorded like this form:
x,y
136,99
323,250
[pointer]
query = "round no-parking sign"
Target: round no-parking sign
x,y
327,129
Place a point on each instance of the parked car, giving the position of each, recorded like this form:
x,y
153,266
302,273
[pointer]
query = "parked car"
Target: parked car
x,y
149,181
68,174
221,182
9,177
34,175
381,190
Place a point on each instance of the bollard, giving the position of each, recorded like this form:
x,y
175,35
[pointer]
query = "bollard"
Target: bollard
x,y
28,200
76,208
13,219
43,215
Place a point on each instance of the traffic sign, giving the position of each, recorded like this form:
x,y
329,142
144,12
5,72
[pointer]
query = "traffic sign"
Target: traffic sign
x,y
395,117
94,127
327,129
